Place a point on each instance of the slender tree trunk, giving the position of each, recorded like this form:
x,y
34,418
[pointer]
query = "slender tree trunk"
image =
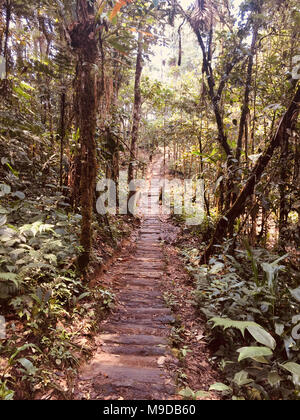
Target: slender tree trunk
x,y
8,19
284,174
62,133
226,222
136,111
245,109
254,108
214,98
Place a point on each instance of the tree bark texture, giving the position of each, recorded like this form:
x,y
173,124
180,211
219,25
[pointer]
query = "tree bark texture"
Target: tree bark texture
x,y
137,110
83,38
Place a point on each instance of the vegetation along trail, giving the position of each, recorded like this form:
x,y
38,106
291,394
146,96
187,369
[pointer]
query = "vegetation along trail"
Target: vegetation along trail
x,y
149,200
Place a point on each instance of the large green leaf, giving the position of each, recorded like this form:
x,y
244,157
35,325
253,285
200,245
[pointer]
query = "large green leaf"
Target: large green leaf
x,y
257,332
218,386
292,367
253,352
262,336
229,323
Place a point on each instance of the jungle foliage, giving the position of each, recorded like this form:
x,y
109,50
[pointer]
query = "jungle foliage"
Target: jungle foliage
x,y
91,89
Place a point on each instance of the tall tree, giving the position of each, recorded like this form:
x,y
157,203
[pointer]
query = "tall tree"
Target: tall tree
x,y
84,36
137,109
285,127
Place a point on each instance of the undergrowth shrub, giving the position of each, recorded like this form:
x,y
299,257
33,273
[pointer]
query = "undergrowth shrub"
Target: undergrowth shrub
x,y
49,308
233,292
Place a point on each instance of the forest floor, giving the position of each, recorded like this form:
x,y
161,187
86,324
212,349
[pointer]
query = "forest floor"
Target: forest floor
x,y
152,345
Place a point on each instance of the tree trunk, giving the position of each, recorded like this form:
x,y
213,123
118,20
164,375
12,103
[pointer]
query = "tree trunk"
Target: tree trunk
x,y
283,191
84,42
137,111
62,133
7,28
214,98
226,222
245,109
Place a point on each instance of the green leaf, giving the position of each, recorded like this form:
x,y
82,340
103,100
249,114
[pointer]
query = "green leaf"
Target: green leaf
x,y
31,369
202,394
21,92
252,352
51,258
22,348
4,190
280,259
261,359
16,173
296,319
100,10
289,342
187,392
190,394
3,210
271,271
83,296
9,277
25,85
274,378
20,195
262,336
229,323
292,367
6,394
218,386
241,378
279,328
217,267
119,47
3,220
296,293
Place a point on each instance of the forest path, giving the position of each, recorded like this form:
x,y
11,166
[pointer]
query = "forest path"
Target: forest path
x,y
133,349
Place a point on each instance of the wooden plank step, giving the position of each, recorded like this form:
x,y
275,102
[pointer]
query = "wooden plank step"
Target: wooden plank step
x,y
134,350
136,328
123,375
139,339
150,274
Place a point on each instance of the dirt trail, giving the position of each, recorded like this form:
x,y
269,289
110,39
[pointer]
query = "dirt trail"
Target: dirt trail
x,y
134,347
